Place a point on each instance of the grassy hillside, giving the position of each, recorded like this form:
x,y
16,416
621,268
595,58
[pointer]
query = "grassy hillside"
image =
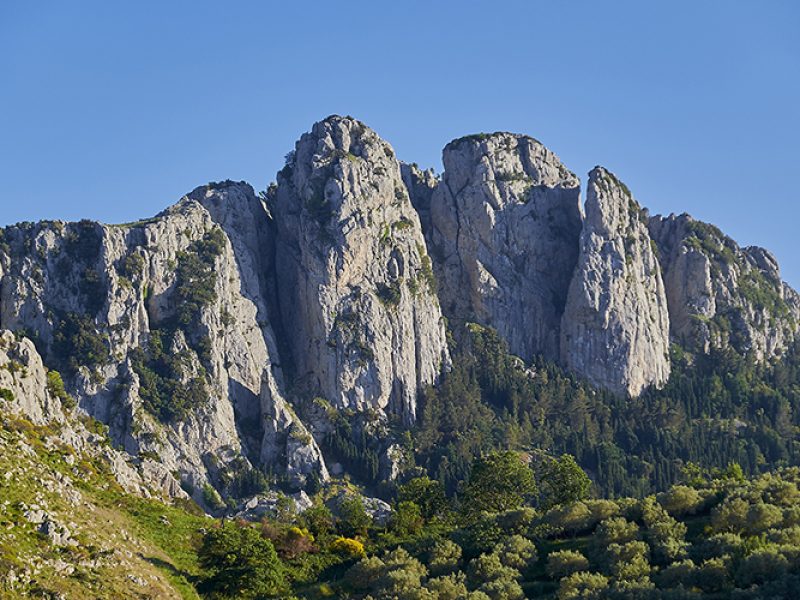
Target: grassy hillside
x,y
66,527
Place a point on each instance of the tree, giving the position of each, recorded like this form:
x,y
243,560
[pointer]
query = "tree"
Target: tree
x,y
498,482
628,561
582,585
444,557
562,481
516,552
353,517
565,562
680,500
407,519
426,493
241,563
318,519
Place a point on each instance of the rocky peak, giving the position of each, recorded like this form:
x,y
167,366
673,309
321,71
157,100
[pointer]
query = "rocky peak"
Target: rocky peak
x,y
615,329
356,286
505,221
721,294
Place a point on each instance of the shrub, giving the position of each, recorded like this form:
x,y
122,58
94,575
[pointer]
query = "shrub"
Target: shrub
x,y
211,498
317,519
407,519
390,294
348,547
563,563
444,557
516,552
582,585
6,394
195,278
77,342
428,494
55,385
680,500
353,517
162,386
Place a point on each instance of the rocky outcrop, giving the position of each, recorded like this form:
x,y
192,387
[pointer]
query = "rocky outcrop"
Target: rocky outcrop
x,y
30,392
720,294
615,329
504,226
161,330
356,291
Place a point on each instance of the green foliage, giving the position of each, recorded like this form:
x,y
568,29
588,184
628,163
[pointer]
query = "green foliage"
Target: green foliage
x,y
349,444
83,241
162,375
582,585
132,266
195,278
318,520
348,547
242,564
562,481
55,385
6,394
407,519
428,494
498,482
563,563
390,294
490,400
211,498
444,557
77,342
353,518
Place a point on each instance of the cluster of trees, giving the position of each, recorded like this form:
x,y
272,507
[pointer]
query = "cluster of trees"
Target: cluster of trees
x,y
715,409
521,529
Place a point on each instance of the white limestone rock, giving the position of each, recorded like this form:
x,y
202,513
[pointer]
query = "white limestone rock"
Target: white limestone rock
x,y
615,329
361,319
505,221
720,294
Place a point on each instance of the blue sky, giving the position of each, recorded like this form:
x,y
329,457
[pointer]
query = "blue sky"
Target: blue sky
x,y
114,110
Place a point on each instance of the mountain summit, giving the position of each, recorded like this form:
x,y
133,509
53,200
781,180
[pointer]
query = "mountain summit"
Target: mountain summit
x,y
239,333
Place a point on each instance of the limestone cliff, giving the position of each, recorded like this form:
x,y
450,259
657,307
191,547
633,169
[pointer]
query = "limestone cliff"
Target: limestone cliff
x,y
504,226
615,329
720,294
356,290
161,331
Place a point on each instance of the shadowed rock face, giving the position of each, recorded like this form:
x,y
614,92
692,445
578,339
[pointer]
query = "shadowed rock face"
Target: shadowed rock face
x,y
615,329
504,226
356,291
720,294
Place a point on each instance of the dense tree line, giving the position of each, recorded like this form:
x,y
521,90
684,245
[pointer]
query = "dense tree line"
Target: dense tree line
x,y
524,530
716,408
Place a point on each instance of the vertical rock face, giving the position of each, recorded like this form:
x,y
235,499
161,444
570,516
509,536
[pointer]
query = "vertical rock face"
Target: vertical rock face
x,y
615,329
162,332
720,294
504,227
356,289
421,186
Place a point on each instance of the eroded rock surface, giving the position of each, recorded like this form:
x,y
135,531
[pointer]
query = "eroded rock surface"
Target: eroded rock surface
x,y
504,226
615,328
356,289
